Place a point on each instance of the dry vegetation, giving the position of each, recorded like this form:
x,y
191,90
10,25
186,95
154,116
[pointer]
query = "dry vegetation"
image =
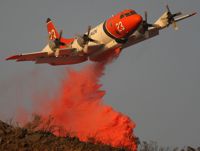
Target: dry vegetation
x,y
31,137
37,135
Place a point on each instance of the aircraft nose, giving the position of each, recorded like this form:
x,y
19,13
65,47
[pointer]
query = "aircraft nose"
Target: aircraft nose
x,y
135,21
132,23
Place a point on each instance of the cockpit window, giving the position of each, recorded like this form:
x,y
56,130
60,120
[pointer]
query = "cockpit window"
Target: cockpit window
x,y
122,16
127,14
132,12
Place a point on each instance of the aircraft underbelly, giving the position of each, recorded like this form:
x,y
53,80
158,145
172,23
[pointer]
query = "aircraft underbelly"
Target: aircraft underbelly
x,y
104,56
62,60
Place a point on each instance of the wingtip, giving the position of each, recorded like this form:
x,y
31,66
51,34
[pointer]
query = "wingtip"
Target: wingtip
x,y
48,20
13,57
195,13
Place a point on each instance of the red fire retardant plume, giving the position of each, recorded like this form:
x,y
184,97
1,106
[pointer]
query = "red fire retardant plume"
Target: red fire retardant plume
x,y
79,108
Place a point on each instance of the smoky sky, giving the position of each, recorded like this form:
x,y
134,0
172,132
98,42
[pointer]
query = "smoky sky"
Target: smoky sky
x,y
156,82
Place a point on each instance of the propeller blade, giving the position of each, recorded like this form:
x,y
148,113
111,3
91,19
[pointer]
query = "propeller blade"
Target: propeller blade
x,y
146,15
171,18
86,39
89,29
167,6
177,14
175,25
60,36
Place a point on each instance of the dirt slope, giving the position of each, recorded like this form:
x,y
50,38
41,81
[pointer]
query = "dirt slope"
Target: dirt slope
x,y
20,139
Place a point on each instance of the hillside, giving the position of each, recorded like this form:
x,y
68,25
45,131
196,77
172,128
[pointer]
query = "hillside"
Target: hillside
x,y
16,138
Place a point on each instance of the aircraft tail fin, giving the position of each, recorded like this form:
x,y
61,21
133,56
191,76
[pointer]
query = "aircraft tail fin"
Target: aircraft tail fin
x,y
51,29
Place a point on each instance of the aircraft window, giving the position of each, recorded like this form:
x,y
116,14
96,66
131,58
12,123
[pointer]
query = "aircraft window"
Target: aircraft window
x,y
132,12
127,14
122,16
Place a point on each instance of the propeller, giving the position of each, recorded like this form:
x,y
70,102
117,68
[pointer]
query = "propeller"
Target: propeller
x,y
146,25
171,17
56,43
85,39
58,40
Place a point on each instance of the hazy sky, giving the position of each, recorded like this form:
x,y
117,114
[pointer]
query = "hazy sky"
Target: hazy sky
x,y
156,83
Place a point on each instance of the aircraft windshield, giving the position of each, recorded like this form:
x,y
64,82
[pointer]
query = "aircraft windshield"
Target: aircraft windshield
x,y
127,14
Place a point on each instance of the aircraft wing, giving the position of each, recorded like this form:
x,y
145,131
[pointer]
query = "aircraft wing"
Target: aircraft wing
x,y
65,51
164,21
42,54
134,39
185,16
28,56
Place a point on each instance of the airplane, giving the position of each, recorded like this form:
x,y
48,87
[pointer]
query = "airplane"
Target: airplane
x,y
103,42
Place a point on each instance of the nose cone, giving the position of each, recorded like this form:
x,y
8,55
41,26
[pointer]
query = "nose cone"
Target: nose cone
x,y
123,24
132,22
137,19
